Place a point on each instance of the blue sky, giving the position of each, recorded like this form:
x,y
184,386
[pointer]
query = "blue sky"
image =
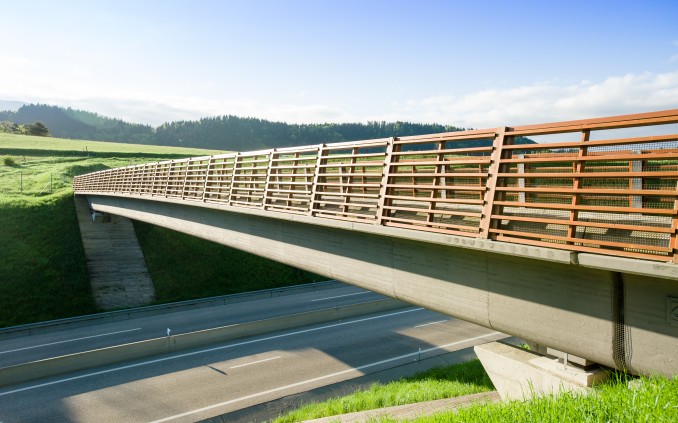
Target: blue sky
x,y
470,63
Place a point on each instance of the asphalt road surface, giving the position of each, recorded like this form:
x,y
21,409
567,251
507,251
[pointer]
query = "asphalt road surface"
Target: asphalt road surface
x,y
206,382
39,347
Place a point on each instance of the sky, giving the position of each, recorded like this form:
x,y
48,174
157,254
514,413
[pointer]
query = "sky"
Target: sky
x,y
472,64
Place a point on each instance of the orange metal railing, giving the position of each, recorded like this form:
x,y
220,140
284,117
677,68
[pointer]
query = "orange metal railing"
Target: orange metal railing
x,y
616,196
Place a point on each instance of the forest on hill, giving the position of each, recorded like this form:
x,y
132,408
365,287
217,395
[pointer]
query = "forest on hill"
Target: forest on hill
x,y
215,133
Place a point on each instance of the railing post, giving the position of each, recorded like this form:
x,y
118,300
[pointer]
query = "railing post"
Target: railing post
x,y
673,241
207,176
576,185
230,187
491,194
169,175
320,160
183,185
382,202
269,172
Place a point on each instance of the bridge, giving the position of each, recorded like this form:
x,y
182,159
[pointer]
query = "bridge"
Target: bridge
x,y
570,243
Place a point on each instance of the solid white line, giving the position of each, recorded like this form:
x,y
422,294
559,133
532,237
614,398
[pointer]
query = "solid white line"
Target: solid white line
x,y
159,360
69,340
316,379
256,362
339,296
432,323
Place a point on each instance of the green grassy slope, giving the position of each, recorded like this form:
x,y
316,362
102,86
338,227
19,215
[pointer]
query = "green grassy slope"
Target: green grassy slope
x,y
43,272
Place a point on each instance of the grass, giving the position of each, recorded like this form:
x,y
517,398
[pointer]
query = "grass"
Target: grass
x,y
16,144
653,399
43,271
444,382
207,269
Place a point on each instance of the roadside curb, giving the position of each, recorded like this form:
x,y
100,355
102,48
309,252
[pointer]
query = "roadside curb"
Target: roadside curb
x,y
106,356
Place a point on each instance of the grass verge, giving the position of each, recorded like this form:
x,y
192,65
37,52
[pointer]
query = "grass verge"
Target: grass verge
x,y
651,400
443,382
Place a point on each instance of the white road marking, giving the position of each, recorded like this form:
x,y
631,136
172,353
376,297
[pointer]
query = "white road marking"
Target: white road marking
x,y
253,341
70,340
254,362
432,323
339,296
316,379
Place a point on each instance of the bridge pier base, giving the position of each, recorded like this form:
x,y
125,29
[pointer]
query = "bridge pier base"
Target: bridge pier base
x,y
519,374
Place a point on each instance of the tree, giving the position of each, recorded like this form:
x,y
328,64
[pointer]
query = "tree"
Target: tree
x,y
38,129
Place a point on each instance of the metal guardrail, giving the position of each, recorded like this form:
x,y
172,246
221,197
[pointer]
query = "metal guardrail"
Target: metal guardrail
x,y
50,326
616,196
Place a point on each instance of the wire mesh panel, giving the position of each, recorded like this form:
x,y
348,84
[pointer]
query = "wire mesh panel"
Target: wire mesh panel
x,y
616,195
147,174
349,179
249,179
437,183
290,179
175,178
219,177
160,178
135,178
194,182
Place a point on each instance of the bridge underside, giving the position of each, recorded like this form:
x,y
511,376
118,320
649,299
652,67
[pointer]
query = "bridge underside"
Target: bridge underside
x,y
614,314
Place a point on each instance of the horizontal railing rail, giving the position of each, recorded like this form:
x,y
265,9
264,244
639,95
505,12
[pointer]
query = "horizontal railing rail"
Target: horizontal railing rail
x,y
614,195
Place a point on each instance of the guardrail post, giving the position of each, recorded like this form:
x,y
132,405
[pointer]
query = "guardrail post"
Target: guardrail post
x,y
491,194
383,189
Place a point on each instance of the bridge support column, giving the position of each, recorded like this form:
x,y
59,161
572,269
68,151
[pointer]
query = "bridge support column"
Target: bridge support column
x,y
519,374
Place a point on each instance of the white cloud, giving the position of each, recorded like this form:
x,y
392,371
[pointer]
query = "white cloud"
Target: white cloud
x,y
546,102
540,102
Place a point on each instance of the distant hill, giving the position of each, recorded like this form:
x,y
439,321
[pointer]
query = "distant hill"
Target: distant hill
x,y
78,124
215,133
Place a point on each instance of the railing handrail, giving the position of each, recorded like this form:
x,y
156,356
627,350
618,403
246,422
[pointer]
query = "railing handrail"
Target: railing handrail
x,y
476,183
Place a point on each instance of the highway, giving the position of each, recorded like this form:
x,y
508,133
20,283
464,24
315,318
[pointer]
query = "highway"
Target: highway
x,y
197,384
38,347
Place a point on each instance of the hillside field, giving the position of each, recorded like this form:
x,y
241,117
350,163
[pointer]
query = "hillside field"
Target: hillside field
x,y
43,272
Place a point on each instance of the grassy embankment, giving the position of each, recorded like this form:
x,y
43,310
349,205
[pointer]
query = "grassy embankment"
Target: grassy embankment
x,y
43,273
652,399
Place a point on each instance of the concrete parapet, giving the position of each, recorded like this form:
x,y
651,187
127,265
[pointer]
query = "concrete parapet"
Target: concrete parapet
x,y
519,374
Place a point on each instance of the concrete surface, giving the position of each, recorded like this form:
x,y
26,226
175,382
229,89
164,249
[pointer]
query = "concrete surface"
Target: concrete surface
x,y
115,263
412,411
518,374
